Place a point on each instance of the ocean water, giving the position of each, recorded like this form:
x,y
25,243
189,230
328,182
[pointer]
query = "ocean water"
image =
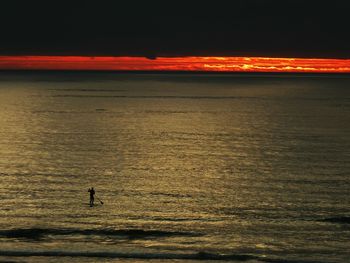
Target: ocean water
x,y
194,168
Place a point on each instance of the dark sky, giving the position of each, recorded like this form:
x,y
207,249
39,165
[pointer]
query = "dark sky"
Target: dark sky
x,y
280,28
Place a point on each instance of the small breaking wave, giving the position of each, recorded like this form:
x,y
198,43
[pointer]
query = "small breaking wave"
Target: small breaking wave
x,y
154,97
90,90
39,233
149,256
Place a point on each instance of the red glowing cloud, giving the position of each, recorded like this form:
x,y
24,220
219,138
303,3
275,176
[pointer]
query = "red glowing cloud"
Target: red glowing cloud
x,y
220,64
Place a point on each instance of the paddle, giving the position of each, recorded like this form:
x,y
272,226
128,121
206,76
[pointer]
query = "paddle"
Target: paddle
x,y
99,200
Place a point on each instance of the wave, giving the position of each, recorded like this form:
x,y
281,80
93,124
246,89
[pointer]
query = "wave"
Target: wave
x,y
91,90
340,220
149,256
155,97
39,233
193,97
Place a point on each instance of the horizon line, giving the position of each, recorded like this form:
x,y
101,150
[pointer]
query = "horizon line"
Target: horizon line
x,y
176,64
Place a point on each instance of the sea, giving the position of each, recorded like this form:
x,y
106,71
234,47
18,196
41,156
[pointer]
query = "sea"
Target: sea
x,y
186,167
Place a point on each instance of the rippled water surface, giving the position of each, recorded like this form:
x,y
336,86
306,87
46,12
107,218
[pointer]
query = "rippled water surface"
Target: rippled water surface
x,y
188,167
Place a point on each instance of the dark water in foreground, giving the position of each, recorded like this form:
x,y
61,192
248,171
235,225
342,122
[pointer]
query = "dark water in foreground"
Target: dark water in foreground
x,y
189,167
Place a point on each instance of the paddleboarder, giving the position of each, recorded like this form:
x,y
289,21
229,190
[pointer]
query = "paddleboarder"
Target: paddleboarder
x,y
92,198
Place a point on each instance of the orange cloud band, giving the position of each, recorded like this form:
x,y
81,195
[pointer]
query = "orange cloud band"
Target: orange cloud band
x,y
221,64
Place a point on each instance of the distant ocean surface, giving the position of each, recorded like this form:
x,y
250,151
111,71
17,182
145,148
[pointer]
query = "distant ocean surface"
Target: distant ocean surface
x,y
194,168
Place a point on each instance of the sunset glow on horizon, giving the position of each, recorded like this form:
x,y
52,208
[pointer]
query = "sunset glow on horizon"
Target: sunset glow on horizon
x,y
209,64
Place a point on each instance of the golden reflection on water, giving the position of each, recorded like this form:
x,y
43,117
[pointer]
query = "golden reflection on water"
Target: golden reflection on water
x,y
222,160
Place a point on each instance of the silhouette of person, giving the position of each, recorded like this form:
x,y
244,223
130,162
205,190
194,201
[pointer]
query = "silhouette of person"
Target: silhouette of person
x,y
92,198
